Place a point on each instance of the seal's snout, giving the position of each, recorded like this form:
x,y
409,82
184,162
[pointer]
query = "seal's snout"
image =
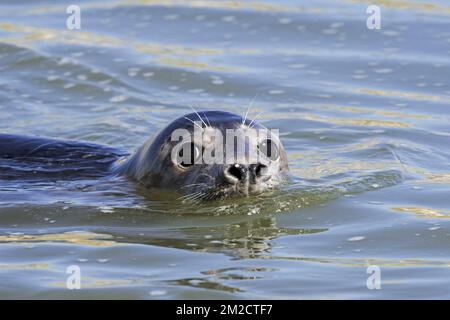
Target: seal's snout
x,y
239,173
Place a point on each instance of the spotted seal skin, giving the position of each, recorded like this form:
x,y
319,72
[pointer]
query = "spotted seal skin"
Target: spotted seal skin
x,y
152,165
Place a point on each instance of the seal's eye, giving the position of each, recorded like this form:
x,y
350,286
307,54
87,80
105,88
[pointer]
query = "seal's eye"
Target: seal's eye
x,y
188,154
270,149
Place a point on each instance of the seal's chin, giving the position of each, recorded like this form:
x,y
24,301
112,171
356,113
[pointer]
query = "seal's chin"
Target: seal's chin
x,y
222,192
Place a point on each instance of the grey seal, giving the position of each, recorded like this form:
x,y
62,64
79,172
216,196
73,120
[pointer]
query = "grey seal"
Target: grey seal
x,y
161,161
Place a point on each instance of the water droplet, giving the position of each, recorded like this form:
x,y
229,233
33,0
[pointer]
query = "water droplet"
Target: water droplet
x,y
191,244
357,238
106,209
285,20
102,260
217,81
276,91
228,19
69,85
383,71
119,98
158,292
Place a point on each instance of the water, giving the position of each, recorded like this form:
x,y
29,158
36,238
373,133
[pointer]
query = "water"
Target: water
x,y
364,115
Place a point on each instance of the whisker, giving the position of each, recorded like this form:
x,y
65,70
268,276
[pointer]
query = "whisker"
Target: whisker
x,y
194,123
249,107
253,120
38,147
192,185
198,115
246,114
189,196
207,119
197,197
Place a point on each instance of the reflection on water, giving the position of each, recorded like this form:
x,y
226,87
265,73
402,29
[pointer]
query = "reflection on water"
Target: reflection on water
x,y
79,238
363,115
425,212
244,240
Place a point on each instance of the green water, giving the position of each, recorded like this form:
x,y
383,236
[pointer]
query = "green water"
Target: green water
x,y
364,116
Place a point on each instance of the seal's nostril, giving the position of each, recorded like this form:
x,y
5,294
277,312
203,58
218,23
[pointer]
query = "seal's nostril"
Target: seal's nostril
x,y
236,172
259,169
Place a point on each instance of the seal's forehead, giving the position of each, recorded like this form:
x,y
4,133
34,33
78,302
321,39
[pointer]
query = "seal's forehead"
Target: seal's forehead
x,y
219,119
215,118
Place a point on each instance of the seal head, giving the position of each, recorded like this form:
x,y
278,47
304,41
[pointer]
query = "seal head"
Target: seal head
x,y
210,155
